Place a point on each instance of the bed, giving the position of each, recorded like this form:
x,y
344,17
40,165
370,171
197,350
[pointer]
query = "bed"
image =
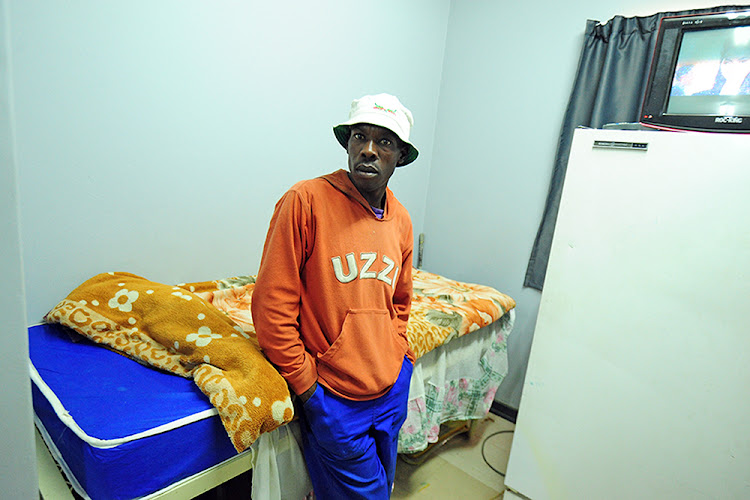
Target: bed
x,y
202,404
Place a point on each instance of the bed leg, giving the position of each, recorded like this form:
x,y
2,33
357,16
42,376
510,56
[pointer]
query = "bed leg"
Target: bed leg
x,y
52,483
448,431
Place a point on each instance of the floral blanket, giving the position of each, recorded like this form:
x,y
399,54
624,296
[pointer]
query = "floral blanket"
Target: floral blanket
x,y
442,309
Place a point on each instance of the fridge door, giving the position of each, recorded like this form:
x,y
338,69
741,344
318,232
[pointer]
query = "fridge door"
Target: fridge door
x,y
638,383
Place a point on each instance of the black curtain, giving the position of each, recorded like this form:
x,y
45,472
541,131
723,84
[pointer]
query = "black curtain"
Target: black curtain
x,y
609,87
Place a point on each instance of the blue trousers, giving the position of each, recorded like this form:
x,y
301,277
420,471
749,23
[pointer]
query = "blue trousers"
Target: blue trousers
x,y
350,446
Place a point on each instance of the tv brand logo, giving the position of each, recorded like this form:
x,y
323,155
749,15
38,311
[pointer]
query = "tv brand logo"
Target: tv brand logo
x,y
728,119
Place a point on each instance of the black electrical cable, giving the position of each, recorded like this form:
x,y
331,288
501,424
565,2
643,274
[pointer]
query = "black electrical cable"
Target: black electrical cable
x,y
485,442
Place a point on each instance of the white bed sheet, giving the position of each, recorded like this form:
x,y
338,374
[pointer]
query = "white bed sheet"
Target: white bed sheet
x,y
456,381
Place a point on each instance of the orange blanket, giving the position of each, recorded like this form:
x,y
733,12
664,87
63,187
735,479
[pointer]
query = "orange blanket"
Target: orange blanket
x,y
442,309
173,329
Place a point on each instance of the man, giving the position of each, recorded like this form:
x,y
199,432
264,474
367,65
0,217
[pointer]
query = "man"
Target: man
x,y
332,300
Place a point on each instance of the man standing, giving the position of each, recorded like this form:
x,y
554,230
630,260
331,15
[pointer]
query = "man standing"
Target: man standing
x,y
332,300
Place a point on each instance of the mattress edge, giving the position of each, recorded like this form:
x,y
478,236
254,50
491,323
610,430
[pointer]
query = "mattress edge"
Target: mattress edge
x,y
67,419
57,456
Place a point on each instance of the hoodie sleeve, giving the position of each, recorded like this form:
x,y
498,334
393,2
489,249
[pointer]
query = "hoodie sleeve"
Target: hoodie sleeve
x,y
276,298
403,290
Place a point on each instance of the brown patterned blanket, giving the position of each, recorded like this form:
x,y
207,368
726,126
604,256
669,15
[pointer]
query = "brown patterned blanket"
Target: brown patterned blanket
x,y
175,328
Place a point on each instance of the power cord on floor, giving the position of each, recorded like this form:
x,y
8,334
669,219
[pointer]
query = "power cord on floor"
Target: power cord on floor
x,y
484,457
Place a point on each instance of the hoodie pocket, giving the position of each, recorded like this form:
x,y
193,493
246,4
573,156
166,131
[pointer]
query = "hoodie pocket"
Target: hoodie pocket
x,y
365,359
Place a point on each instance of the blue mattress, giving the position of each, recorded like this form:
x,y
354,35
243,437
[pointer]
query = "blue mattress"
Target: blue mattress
x,y
119,429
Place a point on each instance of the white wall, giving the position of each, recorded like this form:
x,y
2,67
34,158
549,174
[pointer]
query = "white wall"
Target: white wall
x,y
155,137
507,77
18,477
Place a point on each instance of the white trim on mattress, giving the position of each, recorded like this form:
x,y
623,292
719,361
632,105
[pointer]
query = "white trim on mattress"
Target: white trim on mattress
x,y
68,420
214,475
59,458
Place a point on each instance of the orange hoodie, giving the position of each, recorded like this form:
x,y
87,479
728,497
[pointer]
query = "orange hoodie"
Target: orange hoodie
x,y
333,292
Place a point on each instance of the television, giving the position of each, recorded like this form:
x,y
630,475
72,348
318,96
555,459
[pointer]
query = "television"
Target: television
x,y
700,74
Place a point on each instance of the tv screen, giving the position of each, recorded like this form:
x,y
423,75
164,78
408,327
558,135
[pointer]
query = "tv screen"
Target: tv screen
x,y
700,76
712,74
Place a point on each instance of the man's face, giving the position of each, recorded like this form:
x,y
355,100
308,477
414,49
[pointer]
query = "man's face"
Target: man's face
x,y
374,153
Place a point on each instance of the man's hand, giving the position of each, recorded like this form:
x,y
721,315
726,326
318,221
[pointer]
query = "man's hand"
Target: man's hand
x,y
308,393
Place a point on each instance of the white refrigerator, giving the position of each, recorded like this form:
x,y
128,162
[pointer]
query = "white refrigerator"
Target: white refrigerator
x,y
638,383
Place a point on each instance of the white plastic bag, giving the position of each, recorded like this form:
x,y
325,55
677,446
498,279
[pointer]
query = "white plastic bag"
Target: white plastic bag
x,y
279,472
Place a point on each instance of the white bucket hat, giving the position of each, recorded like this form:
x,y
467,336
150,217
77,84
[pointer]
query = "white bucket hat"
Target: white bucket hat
x,y
384,110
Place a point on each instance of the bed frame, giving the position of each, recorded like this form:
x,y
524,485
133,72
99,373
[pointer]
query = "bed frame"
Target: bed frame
x,y
473,363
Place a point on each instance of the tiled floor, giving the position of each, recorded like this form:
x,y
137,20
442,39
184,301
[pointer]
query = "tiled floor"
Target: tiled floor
x,y
457,470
